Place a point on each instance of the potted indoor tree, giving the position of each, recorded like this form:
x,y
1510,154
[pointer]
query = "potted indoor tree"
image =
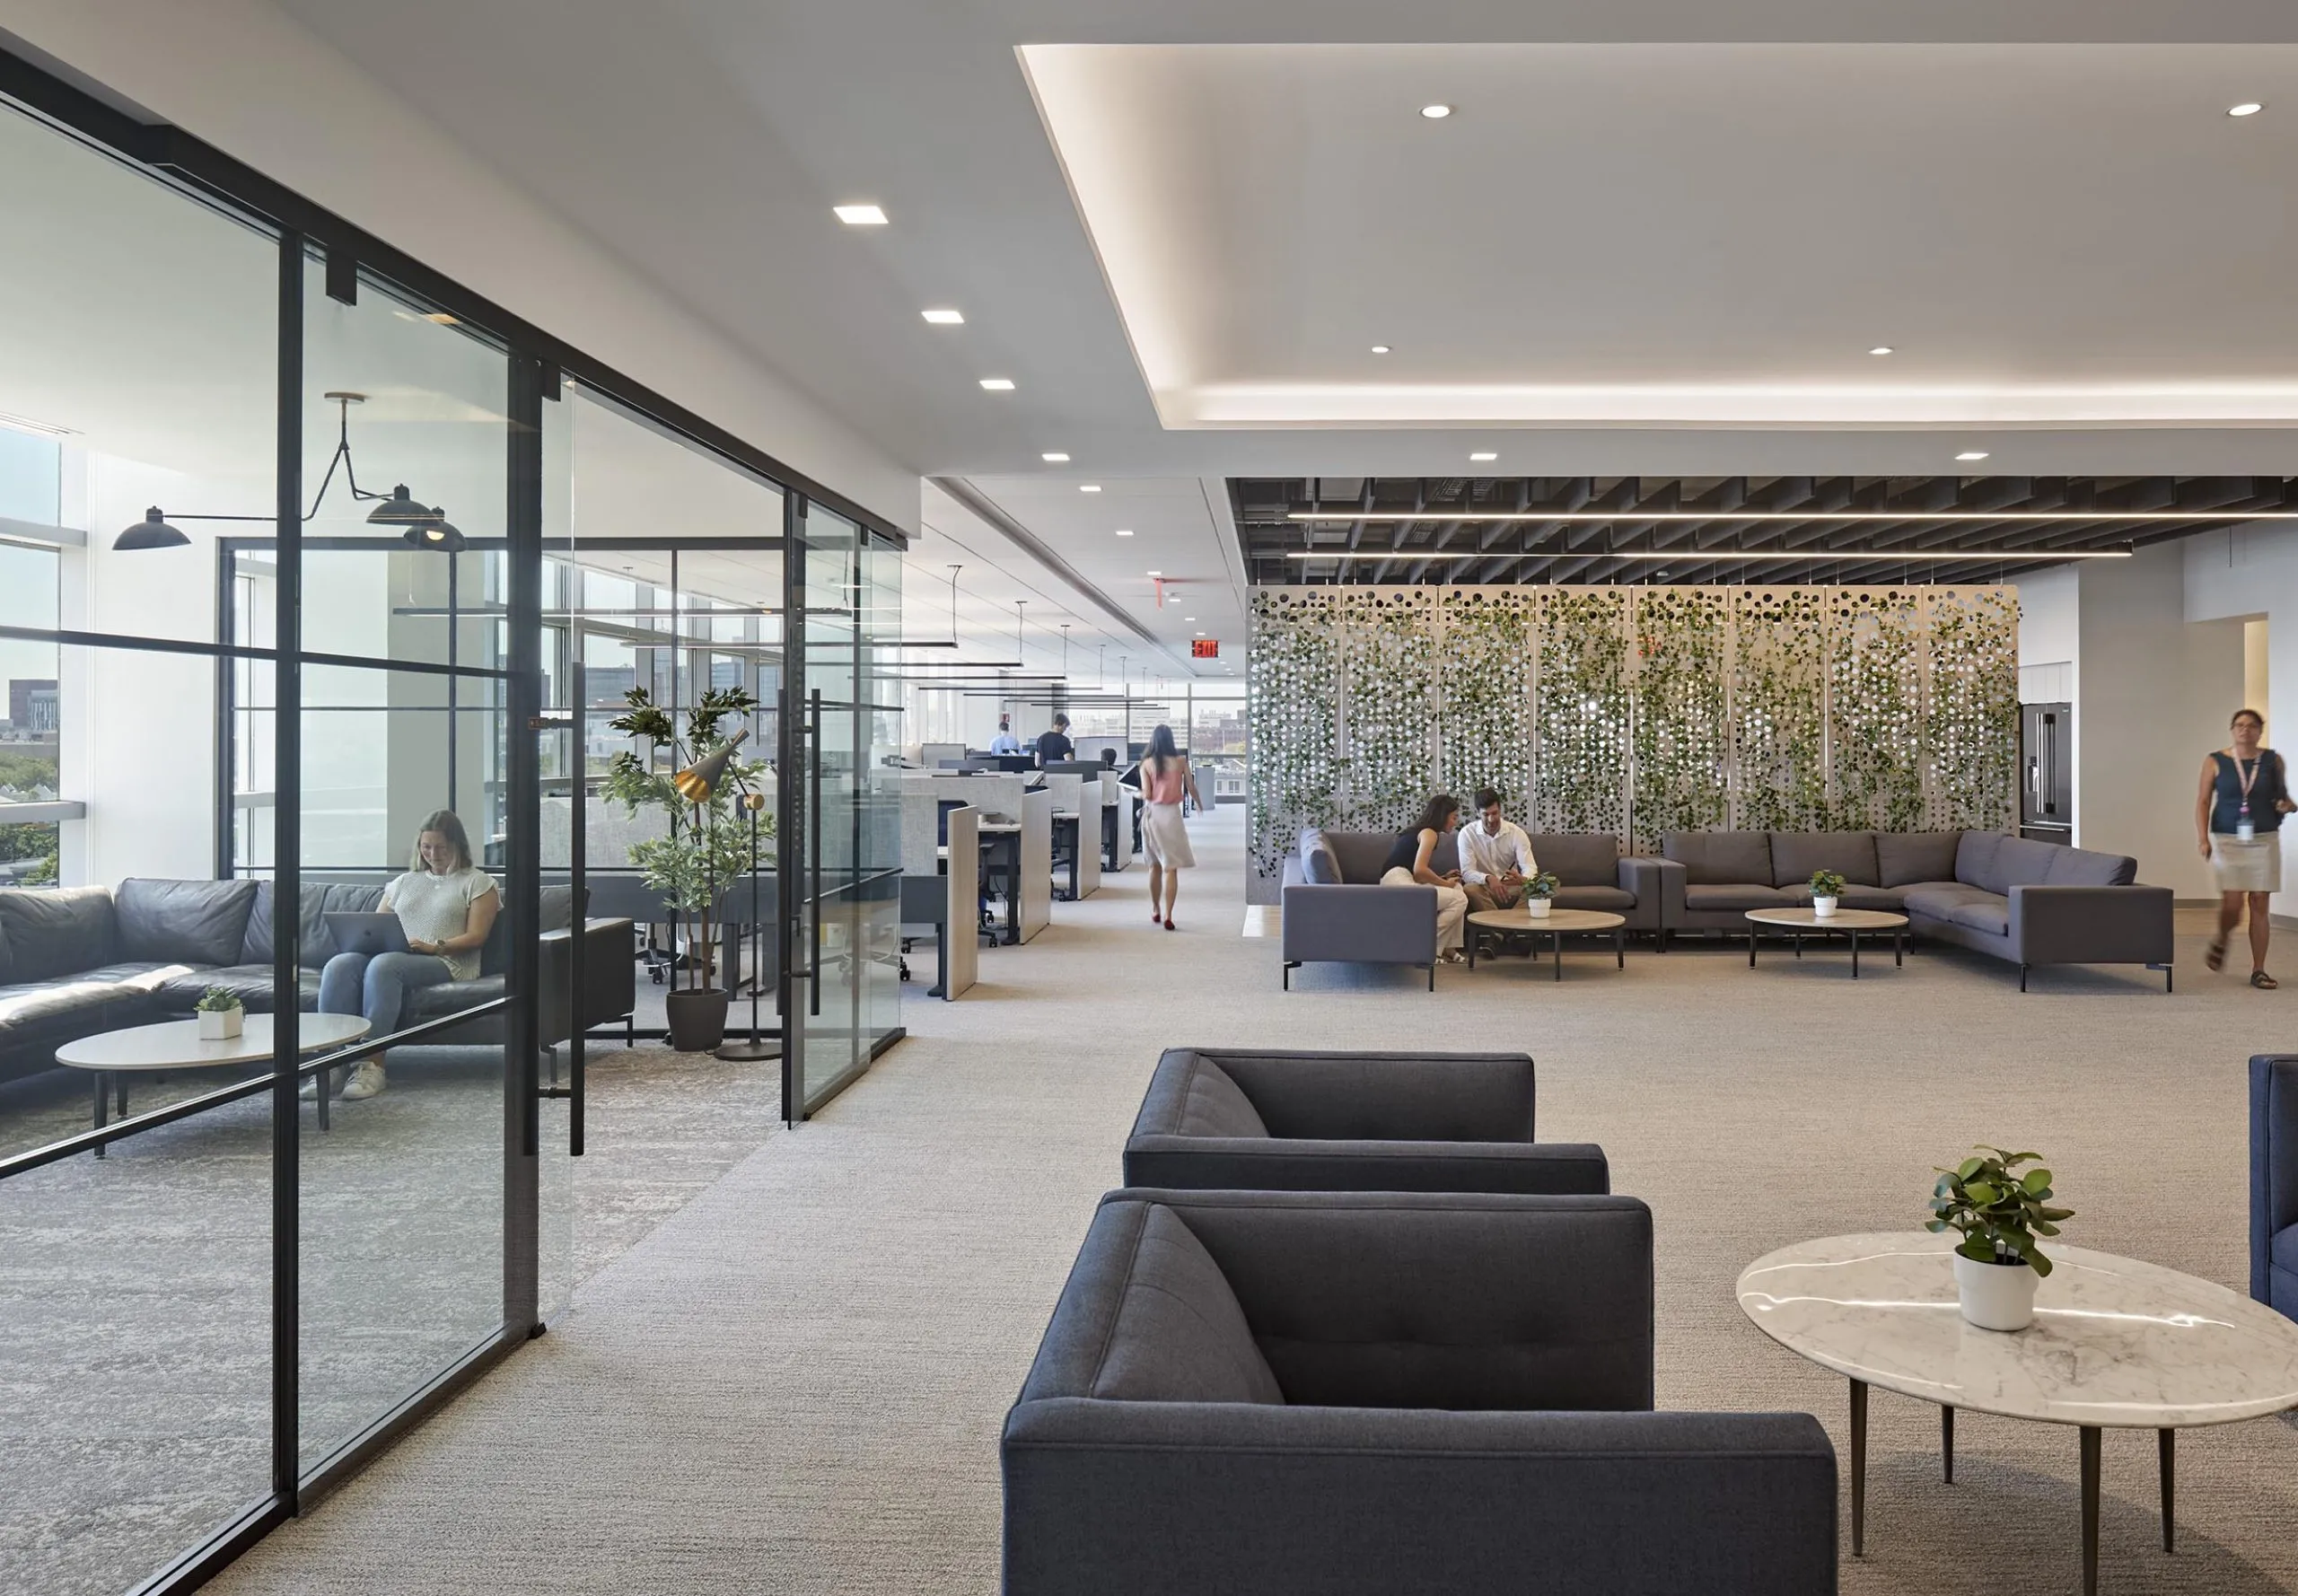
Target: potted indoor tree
x,y
1827,889
705,848
221,1015
1539,894
1998,1211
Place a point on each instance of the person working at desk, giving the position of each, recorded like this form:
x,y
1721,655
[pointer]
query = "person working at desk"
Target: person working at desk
x,y
1005,742
1055,745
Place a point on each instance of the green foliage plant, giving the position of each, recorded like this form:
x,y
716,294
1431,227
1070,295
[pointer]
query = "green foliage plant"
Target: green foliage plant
x,y
1996,1210
1542,885
218,1000
1826,883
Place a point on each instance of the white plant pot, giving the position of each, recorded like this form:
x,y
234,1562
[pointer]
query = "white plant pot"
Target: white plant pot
x,y
220,1025
1995,1296
1538,907
1823,908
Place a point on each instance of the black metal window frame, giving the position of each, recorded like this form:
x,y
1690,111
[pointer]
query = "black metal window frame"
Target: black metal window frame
x,y
536,361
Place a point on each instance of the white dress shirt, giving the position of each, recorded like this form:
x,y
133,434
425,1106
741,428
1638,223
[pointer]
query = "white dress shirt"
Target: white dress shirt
x,y
1484,853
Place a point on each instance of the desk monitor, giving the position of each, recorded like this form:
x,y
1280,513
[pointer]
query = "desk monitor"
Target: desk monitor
x,y
1090,748
940,756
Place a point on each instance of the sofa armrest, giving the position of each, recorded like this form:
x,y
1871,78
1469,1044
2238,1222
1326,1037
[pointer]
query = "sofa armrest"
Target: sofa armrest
x,y
1258,1163
610,980
2091,925
2273,1160
1655,880
1363,924
1150,1498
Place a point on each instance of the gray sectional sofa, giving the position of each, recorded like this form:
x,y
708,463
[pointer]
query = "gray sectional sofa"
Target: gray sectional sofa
x,y
1353,1394
1334,911
2030,903
78,961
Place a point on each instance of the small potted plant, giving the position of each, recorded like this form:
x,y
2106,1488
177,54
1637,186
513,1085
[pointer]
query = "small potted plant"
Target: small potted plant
x,y
1539,894
1827,888
220,1013
1998,1211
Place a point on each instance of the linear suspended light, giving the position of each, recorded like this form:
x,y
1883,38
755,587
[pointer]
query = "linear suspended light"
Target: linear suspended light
x,y
1691,556
1601,517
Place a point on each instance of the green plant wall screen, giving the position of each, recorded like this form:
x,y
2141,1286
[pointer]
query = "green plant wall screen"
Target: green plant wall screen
x,y
1485,676
1682,728
1778,729
1579,770
1875,719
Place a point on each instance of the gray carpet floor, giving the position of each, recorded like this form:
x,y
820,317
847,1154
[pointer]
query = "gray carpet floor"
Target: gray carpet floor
x,y
795,1382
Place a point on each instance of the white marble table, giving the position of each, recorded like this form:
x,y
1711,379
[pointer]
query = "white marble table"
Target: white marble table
x,y
111,1056
1557,924
2117,1344
1851,921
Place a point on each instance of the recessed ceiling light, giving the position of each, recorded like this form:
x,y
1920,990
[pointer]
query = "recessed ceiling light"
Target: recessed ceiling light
x,y
1881,349
1089,487
1436,113
1156,572
1125,531
1484,454
1380,348
860,215
1055,459
1972,454
998,385
945,318
1190,619
1200,634
2248,108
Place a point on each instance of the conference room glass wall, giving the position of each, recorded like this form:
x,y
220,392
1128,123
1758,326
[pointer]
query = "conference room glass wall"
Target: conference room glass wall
x,y
274,596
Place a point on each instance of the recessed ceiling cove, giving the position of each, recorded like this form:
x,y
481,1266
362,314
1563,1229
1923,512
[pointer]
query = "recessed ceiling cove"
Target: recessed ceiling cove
x,y
1669,235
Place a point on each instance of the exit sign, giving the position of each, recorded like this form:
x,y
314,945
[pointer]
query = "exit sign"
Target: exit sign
x,y
1205,648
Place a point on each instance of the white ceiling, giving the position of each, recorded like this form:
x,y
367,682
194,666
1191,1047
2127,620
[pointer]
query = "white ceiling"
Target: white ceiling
x,y
1685,215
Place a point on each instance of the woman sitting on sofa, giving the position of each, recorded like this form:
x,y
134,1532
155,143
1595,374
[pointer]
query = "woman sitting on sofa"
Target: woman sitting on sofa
x,y
1411,860
446,905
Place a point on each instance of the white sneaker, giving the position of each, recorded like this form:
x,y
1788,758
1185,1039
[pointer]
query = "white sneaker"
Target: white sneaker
x,y
367,1081
309,1092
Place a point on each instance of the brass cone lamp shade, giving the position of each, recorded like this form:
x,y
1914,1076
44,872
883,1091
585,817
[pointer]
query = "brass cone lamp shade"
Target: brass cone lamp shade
x,y
151,533
700,779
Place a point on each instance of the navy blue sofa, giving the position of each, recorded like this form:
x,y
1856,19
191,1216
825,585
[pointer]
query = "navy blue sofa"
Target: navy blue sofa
x,y
2274,1181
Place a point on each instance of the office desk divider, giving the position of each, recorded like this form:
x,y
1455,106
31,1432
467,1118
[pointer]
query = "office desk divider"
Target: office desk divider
x,y
961,959
1089,837
1120,799
1037,863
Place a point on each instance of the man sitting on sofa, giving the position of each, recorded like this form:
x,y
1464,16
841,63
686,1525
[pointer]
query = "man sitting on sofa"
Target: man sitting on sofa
x,y
1496,856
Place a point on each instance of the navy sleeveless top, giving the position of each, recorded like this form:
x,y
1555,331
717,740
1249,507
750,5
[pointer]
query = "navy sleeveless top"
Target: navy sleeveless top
x,y
2266,792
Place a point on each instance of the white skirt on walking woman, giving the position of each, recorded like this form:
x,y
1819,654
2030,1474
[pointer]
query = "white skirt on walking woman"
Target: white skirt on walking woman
x,y
2252,866
1165,836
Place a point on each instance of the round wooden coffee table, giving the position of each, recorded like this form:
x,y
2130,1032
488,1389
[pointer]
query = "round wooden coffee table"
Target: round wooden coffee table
x,y
112,1056
2117,1344
1849,922
1557,924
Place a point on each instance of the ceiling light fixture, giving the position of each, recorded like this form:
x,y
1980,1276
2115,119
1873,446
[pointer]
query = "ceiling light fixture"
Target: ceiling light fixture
x,y
860,215
1344,517
1089,487
1125,531
997,384
1055,458
944,318
1436,113
2248,108
1156,572
1972,454
1380,348
1484,454
1882,349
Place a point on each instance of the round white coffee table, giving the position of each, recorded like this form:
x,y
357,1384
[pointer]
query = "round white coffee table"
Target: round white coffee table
x,y
112,1056
1806,922
1557,923
2117,1344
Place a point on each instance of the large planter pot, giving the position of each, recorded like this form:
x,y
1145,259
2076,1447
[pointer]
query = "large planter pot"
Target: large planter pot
x,y
1538,907
698,1020
1995,1296
220,1025
1823,908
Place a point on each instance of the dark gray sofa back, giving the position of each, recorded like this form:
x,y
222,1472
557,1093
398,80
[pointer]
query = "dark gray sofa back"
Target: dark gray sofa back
x,y
166,922
1903,858
1795,855
57,932
2088,867
1361,854
1469,1097
1579,859
1720,858
1179,1335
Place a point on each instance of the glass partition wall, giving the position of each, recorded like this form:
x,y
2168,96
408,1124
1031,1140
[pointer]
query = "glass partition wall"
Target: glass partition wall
x,y
323,584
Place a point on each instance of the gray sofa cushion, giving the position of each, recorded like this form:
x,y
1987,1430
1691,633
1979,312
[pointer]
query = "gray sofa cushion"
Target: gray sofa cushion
x,y
1318,862
26,1010
1903,858
1990,915
1939,900
182,922
1581,859
1361,854
1216,1106
1975,861
1849,854
1179,1336
58,932
2020,862
2087,867
1611,899
1740,896
1720,858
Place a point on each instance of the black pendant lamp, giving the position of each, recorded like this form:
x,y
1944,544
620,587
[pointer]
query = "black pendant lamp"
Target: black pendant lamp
x,y
436,532
400,509
152,532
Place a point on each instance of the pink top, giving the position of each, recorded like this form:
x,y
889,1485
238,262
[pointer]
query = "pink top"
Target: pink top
x,y
1165,788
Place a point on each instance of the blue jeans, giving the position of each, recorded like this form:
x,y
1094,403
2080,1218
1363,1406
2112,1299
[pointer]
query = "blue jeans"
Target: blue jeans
x,y
376,985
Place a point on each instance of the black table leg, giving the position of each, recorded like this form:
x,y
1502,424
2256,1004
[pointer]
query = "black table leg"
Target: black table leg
x,y
2166,1450
1619,946
1858,1468
120,1095
1855,955
103,1101
1474,937
1557,938
2090,1510
1799,944
1899,947
1751,949
1947,1442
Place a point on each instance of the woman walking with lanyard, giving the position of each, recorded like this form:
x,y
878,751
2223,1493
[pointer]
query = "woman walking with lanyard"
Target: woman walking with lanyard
x,y
2238,817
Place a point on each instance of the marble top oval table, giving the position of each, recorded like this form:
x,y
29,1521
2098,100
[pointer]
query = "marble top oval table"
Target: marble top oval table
x,y
2115,1344
1557,925
111,1056
1844,922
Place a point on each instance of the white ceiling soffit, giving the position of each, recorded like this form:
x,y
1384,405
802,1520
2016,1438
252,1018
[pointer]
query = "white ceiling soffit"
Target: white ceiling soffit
x,y
1706,235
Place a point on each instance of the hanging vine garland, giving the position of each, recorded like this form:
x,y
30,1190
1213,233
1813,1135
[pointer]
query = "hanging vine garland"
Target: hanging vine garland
x,y
1778,755
1484,717
1581,777
1683,740
1972,720
1875,721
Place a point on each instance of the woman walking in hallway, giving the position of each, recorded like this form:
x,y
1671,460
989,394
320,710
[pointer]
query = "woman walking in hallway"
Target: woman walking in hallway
x,y
2237,818
1165,780
1412,861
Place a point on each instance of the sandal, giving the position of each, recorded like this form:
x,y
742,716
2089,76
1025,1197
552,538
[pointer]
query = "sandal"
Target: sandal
x,y
2215,960
2263,981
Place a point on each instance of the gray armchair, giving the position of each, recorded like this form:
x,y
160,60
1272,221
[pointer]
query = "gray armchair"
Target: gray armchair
x,y
1356,1394
1278,1121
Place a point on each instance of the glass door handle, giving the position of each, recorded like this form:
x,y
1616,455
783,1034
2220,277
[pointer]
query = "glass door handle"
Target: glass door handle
x,y
814,840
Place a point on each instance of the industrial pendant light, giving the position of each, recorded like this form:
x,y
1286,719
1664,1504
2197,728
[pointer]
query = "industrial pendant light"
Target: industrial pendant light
x,y
151,533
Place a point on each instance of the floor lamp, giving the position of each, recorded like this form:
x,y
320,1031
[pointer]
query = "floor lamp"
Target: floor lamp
x,y
757,1050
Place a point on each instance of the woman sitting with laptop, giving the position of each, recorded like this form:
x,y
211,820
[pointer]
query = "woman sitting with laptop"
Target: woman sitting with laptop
x,y
446,905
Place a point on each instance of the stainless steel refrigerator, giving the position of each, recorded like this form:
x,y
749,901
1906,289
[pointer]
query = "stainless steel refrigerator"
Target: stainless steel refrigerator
x,y
2047,772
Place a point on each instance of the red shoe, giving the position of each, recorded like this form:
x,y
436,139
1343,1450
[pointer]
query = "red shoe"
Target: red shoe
x,y
1169,926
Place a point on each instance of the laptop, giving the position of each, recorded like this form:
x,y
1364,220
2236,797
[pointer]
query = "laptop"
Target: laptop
x,y
356,933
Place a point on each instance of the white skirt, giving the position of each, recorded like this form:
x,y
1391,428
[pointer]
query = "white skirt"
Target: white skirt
x,y
1165,836
2252,866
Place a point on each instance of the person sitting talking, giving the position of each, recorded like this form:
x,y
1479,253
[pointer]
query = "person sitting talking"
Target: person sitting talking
x,y
1411,862
1496,856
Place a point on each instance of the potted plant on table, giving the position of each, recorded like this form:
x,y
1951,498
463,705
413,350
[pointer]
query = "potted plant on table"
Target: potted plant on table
x,y
1827,889
1539,894
693,780
221,1015
1998,1211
